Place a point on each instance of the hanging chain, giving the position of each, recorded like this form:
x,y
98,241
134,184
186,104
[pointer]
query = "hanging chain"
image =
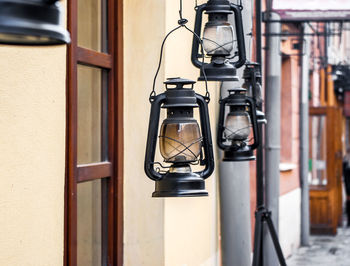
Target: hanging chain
x,y
182,24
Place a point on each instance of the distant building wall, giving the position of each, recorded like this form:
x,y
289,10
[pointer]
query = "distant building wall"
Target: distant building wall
x,y
289,204
289,221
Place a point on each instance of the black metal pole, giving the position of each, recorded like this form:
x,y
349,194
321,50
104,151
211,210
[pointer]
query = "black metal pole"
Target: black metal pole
x,y
258,35
262,215
260,150
258,235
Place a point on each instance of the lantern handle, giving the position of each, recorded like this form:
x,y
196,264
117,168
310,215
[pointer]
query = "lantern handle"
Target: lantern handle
x,y
207,139
197,30
219,138
152,138
240,36
256,132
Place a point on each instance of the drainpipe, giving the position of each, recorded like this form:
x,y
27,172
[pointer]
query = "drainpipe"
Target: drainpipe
x,y
235,213
304,142
234,186
272,133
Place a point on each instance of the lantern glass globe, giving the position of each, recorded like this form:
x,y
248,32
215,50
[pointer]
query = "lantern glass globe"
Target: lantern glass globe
x,y
218,39
180,142
237,126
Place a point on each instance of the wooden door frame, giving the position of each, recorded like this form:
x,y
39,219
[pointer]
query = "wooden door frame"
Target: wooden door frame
x,y
319,111
115,105
328,192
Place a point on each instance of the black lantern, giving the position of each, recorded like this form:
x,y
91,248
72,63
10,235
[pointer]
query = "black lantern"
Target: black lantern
x,y
238,129
252,83
218,41
340,77
32,22
181,141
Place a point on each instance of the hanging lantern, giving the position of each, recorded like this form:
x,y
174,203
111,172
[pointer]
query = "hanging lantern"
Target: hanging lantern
x,y
340,76
32,22
238,131
182,142
252,83
219,41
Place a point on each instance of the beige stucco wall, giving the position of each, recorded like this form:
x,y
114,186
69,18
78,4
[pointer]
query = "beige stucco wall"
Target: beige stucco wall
x,y
191,225
32,145
143,216
171,232
32,154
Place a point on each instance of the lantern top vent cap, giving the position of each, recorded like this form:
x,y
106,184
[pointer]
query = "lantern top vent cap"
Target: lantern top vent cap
x,y
178,80
252,67
179,96
218,6
237,91
178,83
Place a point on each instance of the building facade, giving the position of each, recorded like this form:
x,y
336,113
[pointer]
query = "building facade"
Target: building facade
x,y
73,131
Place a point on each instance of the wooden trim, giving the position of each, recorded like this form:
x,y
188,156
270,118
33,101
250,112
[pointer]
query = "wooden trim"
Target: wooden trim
x,y
331,98
318,110
325,201
93,58
89,172
111,110
114,168
318,188
323,92
71,185
119,136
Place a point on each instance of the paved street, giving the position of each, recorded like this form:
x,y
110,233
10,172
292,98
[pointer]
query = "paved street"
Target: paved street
x,y
324,250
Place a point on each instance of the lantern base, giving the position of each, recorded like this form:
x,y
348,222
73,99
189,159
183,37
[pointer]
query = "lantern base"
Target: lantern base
x,y
239,156
218,72
31,23
180,185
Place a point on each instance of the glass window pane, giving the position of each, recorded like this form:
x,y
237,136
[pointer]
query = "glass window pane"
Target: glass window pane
x,y
92,233
92,24
92,115
318,151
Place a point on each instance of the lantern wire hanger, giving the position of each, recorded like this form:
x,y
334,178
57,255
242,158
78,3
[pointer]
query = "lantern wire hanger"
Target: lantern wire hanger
x,y
181,147
182,24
